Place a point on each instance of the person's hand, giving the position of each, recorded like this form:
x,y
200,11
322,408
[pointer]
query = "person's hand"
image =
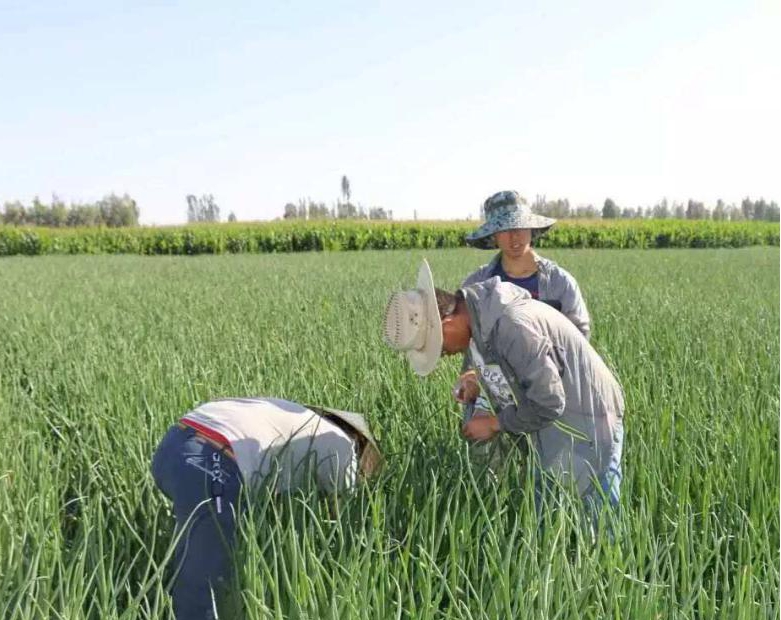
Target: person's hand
x,y
481,428
467,388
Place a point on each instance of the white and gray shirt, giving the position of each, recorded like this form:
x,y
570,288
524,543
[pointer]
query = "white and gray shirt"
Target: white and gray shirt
x,y
271,437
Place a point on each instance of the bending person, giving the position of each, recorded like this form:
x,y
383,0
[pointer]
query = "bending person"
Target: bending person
x,y
204,460
542,376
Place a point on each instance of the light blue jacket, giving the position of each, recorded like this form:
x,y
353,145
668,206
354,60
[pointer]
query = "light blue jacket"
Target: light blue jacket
x,y
554,283
543,378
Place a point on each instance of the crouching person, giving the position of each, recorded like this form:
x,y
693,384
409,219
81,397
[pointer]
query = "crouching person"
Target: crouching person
x,y
205,459
542,376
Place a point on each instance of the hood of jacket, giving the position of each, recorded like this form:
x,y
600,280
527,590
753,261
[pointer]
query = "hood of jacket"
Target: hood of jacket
x,y
487,301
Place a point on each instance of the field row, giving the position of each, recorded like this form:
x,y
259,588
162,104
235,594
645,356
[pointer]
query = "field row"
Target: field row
x,y
99,355
263,237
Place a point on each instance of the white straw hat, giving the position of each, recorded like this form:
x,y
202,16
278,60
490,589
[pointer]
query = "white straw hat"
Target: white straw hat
x,y
412,323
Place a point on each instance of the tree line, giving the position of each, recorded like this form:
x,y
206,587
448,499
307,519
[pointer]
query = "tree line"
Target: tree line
x,y
308,209
112,211
748,210
121,211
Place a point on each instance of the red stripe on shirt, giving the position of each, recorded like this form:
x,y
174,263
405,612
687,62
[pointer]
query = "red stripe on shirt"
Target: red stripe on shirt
x,y
207,432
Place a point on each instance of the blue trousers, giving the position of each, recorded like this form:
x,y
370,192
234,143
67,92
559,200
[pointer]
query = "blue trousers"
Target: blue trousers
x,y
204,485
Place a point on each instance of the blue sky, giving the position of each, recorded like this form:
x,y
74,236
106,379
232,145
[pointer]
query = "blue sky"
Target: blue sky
x,y
426,107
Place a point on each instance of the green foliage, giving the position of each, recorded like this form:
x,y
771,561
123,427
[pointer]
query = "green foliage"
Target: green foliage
x,y
299,236
112,211
610,209
99,355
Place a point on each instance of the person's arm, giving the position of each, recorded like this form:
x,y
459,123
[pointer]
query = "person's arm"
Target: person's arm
x,y
538,369
469,405
480,405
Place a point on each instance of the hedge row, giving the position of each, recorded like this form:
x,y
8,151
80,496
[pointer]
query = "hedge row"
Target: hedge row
x,y
352,235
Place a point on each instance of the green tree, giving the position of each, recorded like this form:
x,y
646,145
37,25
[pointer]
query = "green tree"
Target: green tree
x,y
696,210
661,210
610,209
291,212
38,213
14,213
58,215
118,211
719,211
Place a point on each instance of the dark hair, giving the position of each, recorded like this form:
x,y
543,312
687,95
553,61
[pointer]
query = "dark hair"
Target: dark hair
x,y
446,302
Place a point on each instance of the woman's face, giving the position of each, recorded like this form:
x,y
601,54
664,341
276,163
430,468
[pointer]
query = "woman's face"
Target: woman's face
x,y
514,243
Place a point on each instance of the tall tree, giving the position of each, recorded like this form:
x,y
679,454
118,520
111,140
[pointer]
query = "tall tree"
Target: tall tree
x,y
747,207
192,208
203,209
346,188
760,209
719,211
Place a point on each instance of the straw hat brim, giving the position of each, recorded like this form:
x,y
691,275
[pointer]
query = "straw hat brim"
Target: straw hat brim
x,y
424,360
354,420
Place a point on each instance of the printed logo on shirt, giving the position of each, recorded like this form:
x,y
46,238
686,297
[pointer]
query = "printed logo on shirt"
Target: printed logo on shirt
x,y
492,379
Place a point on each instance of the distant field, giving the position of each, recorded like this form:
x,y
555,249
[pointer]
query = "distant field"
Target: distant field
x,y
298,236
99,355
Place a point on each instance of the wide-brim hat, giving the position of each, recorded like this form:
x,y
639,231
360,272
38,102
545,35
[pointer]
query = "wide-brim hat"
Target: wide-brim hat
x,y
507,211
355,421
412,323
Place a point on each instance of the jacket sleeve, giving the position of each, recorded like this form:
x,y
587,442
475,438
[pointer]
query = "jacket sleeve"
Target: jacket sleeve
x,y
538,369
573,306
476,276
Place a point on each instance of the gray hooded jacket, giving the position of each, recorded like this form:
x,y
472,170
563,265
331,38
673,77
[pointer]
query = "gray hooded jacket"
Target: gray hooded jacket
x,y
545,379
555,283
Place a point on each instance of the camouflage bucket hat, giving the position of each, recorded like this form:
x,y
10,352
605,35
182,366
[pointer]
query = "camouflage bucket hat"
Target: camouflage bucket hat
x,y
507,211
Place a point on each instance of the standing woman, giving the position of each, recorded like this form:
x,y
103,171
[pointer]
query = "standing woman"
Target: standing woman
x,y
512,227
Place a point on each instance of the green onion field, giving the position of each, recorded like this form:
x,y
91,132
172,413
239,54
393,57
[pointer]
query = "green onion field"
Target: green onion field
x,y
100,354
